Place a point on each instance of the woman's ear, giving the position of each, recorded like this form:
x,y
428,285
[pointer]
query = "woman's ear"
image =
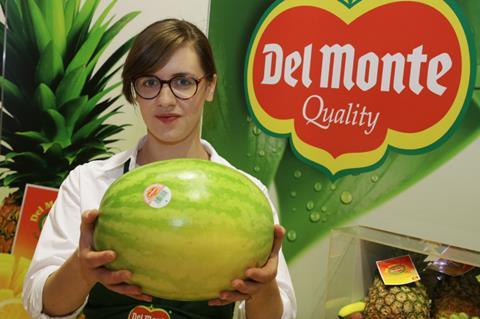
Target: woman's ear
x,y
211,88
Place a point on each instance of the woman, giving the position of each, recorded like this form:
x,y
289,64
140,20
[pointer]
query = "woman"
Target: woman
x,y
169,73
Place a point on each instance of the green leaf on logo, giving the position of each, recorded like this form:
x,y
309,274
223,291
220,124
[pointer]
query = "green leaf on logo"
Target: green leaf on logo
x,y
349,3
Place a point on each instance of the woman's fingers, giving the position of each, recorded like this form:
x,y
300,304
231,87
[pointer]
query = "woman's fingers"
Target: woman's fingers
x,y
95,259
278,235
265,274
246,287
87,227
109,277
93,262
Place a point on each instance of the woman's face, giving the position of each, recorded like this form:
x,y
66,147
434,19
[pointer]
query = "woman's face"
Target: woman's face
x,y
169,119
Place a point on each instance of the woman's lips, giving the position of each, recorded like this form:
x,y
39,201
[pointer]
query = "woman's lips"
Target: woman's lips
x,y
168,118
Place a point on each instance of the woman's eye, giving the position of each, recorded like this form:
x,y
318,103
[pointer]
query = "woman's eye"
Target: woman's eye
x,y
183,81
150,82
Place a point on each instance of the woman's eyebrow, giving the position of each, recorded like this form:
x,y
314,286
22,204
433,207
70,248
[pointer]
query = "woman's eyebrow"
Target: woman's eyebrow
x,y
182,74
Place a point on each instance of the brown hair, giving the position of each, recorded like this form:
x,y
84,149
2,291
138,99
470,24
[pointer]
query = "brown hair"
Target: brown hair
x,y
154,46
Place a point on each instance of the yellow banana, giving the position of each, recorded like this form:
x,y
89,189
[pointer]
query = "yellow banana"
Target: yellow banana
x,y
352,308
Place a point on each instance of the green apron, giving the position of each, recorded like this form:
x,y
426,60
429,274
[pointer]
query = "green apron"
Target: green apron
x,y
106,304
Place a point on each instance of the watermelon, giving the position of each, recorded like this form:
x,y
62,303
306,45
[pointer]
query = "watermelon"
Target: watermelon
x,y
185,228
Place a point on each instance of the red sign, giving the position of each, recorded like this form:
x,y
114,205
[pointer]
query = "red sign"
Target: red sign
x,y
348,82
143,312
36,205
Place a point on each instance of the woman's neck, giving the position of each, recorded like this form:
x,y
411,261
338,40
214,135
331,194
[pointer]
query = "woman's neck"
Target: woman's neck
x,y
155,150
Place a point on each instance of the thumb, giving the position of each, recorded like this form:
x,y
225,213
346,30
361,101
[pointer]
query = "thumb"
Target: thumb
x,y
87,227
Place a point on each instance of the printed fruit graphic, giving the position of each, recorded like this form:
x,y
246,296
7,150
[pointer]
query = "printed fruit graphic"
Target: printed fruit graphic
x,y
185,227
13,309
397,302
55,103
12,272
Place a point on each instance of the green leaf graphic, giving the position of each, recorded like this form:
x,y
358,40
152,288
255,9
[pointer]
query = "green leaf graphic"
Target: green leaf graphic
x,y
349,3
311,204
226,123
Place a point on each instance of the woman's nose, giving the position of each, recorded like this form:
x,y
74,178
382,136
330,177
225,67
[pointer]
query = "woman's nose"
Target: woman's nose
x,y
165,96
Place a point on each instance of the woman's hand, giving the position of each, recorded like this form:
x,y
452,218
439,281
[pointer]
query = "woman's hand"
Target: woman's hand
x,y
258,280
92,262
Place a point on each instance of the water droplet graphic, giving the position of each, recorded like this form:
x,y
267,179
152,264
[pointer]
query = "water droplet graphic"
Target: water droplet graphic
x,y
333,187
294,209
297,174
324,209
317,187
293,194
249,155
346,197
291,235
256,130
310,205
374,178
256,168
324,219
261,153
315,217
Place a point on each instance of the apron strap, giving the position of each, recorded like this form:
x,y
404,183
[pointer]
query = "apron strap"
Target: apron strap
x,y
126,166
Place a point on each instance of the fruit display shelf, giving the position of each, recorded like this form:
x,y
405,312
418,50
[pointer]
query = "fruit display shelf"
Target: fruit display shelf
x,y
354,251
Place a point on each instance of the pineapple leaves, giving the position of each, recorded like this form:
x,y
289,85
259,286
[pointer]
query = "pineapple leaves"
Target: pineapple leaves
x,y
116,28
34,136
93,102
72,111
51,95
69,14
80,26
91,127
15,19
108,37
50,65
53,11
26,158
71,85
109,130
98,81
45,98
84,54
10,88
41,34
104,14
58,126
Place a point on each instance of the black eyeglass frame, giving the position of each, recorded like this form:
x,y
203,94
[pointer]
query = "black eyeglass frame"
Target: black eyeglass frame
x,y
162,82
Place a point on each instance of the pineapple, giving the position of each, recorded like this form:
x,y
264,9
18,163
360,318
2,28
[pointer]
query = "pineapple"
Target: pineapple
x,y
397,302
455,295
55,103
8,221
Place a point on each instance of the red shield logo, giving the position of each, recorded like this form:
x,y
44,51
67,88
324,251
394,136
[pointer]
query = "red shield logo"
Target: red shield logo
x,y
348,83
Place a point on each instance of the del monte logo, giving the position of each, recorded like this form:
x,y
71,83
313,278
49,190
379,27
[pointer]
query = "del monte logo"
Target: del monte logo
x,y
347,80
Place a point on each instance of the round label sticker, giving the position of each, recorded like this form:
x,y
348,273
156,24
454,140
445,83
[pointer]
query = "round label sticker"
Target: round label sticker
x,y
157,195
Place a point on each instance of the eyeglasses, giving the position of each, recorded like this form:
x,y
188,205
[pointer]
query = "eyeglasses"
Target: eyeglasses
x,y
183,87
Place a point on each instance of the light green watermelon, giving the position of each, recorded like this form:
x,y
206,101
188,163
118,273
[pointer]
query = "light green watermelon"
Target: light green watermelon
x,y
185,228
